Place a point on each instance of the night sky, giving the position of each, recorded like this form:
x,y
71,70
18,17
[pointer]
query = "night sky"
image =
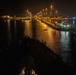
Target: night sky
x,y
65,7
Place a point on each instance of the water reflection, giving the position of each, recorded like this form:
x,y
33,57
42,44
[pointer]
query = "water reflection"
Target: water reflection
x,y
8,31
73,23
59,41
28,28
50,36
15,30
65,45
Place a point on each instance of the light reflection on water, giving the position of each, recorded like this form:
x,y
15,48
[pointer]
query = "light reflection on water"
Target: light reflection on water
x,y
65,46
8,31
15,29
58,41
28,28
50,36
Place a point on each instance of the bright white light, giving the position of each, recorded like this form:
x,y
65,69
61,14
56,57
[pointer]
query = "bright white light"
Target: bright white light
x,y
61,24
62,33
68,25
67,33
66,18
64,25
8,16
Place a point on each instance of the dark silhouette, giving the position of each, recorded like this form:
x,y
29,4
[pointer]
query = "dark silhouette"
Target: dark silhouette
x,y
31,54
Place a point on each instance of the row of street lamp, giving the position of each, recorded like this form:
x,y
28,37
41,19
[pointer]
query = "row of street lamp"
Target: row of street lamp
x,y
46,12
28,13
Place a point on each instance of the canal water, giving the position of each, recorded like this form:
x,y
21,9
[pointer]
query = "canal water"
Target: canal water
x,y
62,43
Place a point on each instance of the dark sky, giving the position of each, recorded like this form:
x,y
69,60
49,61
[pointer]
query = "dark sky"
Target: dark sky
x,y
66,7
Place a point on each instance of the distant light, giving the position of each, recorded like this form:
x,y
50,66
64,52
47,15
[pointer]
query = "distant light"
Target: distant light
x,y
66,18
61,24
43,10
68,25
27,11
74,18
51,6
64,25
46,9
8,16
56,11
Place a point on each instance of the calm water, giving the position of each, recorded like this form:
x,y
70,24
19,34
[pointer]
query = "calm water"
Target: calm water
x,y
61,42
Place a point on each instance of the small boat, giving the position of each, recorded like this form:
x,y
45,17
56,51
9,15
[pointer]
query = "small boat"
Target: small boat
x,y
45,29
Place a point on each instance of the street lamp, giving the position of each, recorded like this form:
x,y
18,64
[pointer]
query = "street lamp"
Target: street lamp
x,y
51,7
56,11
46,9
27,11
43,10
